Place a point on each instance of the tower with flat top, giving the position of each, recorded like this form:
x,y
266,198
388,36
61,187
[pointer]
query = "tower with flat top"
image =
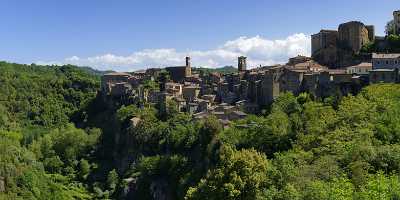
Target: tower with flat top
x,y
242,65
396,19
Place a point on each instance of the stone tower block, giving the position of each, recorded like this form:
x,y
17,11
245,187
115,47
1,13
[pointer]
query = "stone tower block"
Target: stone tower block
x,y
242,63
353,35
396,18
188,69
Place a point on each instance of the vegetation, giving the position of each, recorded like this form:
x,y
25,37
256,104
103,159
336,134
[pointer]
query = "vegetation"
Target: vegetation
x,y
390,27
222,70
40,149
392,45
59,140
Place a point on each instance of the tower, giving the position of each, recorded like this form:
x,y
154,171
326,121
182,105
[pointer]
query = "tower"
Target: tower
x,y
396,20
242,65
187,61
188,69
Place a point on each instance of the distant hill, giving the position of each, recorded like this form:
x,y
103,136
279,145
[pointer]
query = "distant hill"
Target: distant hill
x,y
222,70
95,71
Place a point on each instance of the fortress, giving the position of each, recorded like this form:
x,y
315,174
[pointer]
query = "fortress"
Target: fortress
x,y
336,48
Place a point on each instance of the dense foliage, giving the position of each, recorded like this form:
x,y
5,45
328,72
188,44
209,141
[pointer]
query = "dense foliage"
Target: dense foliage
x,y
391,44
41,151
59,140
301,149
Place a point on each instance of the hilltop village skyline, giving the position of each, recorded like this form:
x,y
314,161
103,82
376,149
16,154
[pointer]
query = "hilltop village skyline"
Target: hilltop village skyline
x,y
329,47
343,61
121,42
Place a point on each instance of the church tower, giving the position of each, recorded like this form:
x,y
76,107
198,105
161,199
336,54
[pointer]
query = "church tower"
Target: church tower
x,y
242,65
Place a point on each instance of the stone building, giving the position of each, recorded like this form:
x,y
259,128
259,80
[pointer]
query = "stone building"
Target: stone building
x,y
385,61
180,73
298,59
174,88
354,35
337,48
360,69
108,80
324,47
323,39
291,80
191,93
270,87
242,64
396,19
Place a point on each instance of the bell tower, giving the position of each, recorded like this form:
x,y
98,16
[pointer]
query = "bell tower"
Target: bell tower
x,y
242,65
188,69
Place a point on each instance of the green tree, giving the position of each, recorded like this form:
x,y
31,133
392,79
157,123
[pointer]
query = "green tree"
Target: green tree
x,y
112,180
239,175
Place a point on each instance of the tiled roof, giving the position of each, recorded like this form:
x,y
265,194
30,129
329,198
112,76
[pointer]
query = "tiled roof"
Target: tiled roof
x,y
383,56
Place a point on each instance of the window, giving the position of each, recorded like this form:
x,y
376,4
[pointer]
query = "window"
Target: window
x,y
387,62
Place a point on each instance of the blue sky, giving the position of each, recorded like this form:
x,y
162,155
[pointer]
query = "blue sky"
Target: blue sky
x,y
126,35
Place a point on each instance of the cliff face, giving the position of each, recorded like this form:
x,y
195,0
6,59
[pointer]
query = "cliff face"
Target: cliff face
x,y
120,149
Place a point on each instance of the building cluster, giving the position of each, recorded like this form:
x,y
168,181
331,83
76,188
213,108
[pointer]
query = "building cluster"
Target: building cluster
x,y
332,70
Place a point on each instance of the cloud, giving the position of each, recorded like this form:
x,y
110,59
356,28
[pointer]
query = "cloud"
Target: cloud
x,y
259,50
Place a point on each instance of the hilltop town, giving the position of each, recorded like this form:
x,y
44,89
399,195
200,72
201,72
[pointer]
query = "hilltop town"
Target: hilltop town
x,y
319,126
340,65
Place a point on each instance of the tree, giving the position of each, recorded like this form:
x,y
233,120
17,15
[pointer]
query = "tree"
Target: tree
x,y
84,169
239,175
389,28
112,180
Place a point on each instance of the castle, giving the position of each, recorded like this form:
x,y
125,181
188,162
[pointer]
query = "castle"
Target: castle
x,y
336,48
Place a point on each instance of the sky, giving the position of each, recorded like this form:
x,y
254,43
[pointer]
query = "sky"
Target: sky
x,y
127,35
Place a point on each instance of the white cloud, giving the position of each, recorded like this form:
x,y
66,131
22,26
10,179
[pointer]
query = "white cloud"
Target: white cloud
x,y
259,50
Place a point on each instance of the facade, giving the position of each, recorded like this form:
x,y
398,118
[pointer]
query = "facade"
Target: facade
x,y
385,61
396,19
384,76
174,88
323,39
190,93
360,69
116,83
291,80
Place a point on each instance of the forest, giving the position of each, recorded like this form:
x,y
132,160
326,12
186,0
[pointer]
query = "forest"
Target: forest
x,y
61,139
